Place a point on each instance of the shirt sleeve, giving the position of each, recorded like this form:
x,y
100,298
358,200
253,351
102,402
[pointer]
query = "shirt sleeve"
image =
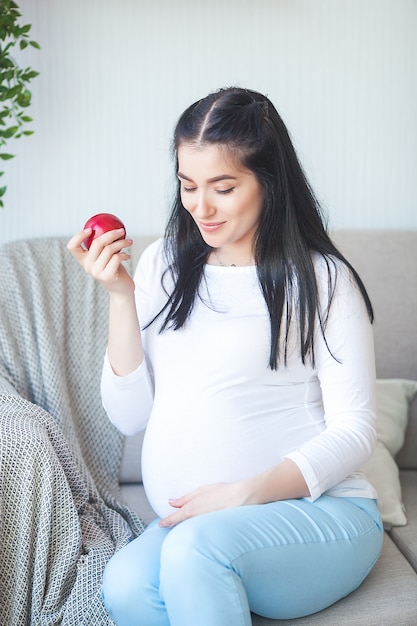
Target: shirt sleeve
x,y
345,366
128,400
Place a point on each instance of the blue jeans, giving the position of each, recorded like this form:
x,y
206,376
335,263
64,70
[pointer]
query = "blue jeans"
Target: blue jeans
x,y
282,560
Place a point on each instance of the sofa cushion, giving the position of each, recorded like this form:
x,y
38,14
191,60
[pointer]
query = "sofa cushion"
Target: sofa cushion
x,y
383,473
130,469
393,401
406,536
387,263
393,398
135,498
407,456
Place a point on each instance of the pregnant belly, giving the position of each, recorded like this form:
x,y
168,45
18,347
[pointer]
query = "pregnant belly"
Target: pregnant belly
x,y
222,436
185,452
177,460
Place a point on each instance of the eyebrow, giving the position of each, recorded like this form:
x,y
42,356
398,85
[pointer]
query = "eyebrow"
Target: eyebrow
x,y
216,179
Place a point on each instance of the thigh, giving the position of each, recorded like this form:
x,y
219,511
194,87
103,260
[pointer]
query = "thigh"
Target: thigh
x,y
139,558
293,557
130,588
330,546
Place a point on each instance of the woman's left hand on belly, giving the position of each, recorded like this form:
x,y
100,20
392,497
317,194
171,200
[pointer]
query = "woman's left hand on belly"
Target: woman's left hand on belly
x,y
203,500
281,482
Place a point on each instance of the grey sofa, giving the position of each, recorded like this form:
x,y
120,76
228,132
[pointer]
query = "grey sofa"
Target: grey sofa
x,y
387,262
53,321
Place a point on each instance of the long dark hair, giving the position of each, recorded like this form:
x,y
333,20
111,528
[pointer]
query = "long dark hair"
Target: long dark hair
x,y
291,226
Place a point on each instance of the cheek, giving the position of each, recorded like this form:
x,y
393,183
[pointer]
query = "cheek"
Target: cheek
x,y
188,206
185,202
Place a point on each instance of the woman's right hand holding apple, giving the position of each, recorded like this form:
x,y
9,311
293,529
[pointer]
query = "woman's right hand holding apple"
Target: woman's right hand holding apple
x,y
104,261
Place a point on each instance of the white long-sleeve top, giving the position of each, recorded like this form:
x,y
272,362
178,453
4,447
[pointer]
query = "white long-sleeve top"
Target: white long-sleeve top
x,y
213,409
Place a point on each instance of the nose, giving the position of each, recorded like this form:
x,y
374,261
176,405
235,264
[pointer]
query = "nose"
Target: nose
x,y
203,208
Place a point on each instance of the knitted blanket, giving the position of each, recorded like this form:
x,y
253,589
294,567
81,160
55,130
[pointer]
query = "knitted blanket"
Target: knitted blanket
x,y
60,517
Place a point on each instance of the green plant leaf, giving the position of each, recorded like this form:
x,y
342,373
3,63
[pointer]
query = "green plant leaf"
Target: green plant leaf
x,y
23,99
7,21
29,74
2,191
34,44
13,92
5,157
7,62
9,132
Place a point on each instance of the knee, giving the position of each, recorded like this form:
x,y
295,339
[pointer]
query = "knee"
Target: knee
x,y
194,556
187,547
113,585
181,543
121,585
180,561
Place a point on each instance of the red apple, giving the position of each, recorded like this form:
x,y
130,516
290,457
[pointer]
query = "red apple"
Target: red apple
x,y
101,223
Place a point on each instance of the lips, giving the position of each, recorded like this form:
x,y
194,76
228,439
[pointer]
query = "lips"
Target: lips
x,y
210,227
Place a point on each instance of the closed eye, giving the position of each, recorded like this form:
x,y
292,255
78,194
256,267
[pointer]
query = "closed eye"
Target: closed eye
x,y
225,191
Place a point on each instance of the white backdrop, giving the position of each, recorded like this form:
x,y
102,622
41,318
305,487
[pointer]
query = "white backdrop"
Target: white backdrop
x,y
116,74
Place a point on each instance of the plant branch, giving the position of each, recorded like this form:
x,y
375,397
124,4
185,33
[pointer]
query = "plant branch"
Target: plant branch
x,y
15,96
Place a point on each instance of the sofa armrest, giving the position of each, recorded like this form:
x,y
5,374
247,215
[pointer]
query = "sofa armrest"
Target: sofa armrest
x,y
130,469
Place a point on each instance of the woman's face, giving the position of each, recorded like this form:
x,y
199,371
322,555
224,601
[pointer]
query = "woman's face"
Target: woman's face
x,y
224,198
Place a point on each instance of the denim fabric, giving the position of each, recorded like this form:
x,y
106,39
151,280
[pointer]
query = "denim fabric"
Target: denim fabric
x,y
281,560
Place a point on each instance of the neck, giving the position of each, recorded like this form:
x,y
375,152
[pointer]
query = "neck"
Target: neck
x,y
217,259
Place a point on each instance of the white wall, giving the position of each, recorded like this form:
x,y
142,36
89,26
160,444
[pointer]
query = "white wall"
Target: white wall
x,y
116,74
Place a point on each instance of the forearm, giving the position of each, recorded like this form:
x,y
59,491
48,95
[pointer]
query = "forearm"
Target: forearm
x,y
124,347
127,400
282,482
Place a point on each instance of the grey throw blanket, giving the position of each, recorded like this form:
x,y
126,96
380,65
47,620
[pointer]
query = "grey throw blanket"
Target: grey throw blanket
x,y
60,517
